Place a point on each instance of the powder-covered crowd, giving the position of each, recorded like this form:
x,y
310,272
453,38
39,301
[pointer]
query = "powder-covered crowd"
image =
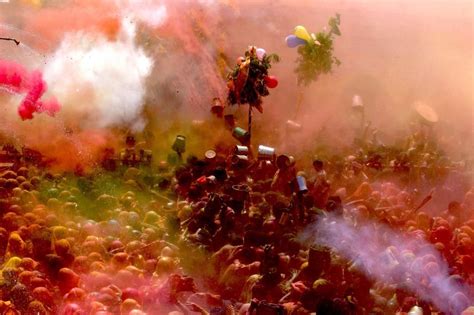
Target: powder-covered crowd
x,y
220,234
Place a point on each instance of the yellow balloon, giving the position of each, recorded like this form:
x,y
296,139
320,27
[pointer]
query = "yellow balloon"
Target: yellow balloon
x,y
301,32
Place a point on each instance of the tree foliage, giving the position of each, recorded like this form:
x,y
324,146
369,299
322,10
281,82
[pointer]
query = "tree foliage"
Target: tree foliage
x,y
317,57
246,82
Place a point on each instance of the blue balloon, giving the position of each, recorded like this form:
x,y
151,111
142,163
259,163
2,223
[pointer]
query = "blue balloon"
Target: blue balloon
x,y
293,41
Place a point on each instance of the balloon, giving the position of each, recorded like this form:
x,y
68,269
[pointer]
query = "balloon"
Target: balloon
x,y
293,41
261,53
301,32
271,82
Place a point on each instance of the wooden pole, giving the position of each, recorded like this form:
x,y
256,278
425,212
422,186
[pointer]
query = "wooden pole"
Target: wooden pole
x,y
299,102
250,124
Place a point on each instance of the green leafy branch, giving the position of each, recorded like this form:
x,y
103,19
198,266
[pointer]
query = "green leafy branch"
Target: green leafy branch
x,y
317,57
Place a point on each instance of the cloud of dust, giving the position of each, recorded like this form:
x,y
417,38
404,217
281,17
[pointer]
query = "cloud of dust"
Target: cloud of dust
x,y
392,53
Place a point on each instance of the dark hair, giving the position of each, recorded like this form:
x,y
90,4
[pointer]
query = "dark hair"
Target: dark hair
x,y
318,164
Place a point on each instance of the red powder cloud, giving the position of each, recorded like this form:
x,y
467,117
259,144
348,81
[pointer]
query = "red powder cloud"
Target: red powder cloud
x,y
16,78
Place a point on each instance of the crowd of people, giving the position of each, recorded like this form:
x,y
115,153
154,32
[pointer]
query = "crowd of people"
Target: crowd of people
x,y
220,234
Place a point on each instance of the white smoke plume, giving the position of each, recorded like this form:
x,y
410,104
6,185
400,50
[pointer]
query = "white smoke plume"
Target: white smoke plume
x,y
152,13
392,258
99,81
